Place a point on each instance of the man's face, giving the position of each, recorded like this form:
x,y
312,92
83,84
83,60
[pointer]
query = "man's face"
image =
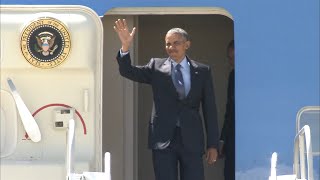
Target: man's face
x,y
176,46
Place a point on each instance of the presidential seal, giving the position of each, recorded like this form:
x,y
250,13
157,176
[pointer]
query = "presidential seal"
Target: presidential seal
x,y
45,42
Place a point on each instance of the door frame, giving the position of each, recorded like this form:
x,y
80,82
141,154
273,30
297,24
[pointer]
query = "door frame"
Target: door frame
x,y
130,92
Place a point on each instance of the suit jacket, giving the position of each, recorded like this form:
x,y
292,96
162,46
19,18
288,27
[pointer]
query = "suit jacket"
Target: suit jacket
x,y
228,130
167,107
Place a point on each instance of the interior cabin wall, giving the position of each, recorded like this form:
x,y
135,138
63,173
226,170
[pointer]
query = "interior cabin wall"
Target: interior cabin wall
x,y
117,106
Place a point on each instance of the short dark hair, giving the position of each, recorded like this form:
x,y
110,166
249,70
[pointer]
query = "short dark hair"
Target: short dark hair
x,y
180,31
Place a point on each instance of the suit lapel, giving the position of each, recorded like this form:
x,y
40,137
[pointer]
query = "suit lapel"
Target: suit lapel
x,y
193,76
166,69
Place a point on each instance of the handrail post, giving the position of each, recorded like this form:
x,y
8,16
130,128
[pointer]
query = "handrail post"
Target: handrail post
x,y
302,158
107,165
309,153
302,141
273,171
70,149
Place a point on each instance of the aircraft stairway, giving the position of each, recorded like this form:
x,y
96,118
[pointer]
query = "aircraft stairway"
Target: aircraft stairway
x,y
306,146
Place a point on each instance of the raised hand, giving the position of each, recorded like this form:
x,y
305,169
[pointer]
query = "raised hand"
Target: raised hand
x,y
125,36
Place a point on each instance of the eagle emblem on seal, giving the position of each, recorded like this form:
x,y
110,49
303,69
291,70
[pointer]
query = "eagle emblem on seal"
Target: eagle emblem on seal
x,y
45,43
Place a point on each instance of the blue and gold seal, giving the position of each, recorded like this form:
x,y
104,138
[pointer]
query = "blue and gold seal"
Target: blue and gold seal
x,y
45,42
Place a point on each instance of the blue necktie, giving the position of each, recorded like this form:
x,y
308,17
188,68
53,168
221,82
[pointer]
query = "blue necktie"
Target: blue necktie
x,y
178,81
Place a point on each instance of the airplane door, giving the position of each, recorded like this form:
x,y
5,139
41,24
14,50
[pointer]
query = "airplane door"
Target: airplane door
x,y
53,56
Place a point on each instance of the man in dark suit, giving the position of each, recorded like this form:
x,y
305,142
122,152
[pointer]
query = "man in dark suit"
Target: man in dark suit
x,y
179,86
227,138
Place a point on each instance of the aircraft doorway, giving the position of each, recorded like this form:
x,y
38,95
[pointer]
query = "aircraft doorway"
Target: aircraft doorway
x,y
210,35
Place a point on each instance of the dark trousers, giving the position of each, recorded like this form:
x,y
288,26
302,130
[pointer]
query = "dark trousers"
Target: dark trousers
x,y
165,162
